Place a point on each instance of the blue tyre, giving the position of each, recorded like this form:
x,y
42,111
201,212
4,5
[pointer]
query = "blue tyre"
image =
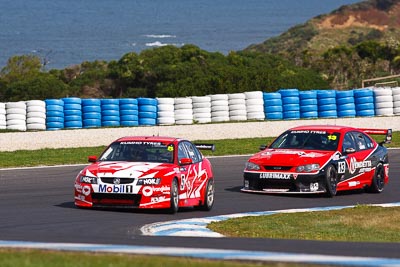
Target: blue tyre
x,y
55,114
365,113
307,95
346,113
54,108
89,123
128,112
344,100
309,115
364,99
73,124
308,101
290,100
110,112
128,101
91,102
129,123
321,94
72,112
327,101
147,121
109,101
274,116
110,123
110,118
271,109
92,115
72,118
147,108
147,101
309,108
55,119
291,115
87,109
269,96
72,100
150,115
327,114
57,102
362,93
327,107
289,92
291,107
54,125
365,106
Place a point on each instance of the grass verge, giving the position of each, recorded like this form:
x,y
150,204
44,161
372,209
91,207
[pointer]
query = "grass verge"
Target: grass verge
x,y
359,224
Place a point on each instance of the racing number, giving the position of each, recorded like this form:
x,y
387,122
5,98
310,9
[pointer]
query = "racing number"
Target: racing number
x,y
341,167
183,182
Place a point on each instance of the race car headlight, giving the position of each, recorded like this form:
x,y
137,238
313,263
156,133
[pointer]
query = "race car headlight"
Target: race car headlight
x,y
308,168
88,179
252,166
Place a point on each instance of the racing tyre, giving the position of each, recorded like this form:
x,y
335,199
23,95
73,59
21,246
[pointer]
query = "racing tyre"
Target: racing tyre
x,y
331,179
174,197
208,200
378,181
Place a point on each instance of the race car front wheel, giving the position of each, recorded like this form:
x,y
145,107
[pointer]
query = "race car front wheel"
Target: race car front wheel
x,y
378,181
208,201
331,178
174,197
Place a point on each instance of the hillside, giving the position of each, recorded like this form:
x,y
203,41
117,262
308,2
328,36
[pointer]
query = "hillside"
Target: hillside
x,y
349,25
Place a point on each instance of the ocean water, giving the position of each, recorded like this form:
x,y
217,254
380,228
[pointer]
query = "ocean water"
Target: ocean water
x,y
67,32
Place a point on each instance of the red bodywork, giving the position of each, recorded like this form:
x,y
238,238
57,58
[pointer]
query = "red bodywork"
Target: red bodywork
x,y
282,168
144,184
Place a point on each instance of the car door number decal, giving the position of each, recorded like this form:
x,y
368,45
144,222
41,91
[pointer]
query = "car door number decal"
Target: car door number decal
x,y
341,167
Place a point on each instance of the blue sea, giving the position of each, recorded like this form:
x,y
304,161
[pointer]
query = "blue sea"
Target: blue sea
x,y
67,32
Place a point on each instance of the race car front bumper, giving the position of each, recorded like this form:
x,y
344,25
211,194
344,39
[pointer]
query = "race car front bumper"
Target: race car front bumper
x,y
269,182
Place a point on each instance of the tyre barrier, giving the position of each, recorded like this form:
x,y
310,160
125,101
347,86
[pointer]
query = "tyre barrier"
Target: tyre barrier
x,y
201,108
285,104
3,120
290,104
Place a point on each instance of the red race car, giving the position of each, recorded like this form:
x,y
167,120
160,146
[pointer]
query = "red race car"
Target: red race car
x,y
320,159
147,172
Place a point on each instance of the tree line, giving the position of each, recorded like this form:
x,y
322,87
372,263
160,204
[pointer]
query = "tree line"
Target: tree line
x,y
171,71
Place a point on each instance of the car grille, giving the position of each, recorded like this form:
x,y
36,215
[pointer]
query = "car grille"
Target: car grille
x,y
110,180
278,168
130,200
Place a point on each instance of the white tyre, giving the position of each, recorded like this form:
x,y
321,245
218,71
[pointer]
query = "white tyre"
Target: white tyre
x,y
384,98
254,94
384,105
219,108
16,127
396,98
201,110
236,96
219,119
20,104
183,122
219,97
201,115
36,109
36,126
255,116
183,100
396,91
180,117
165,107
165,100
16,111
383,92
36,114
220,114
238,112
384,112
237,118
183,106
166,121
36,120
237,107
165,114
39,103
14,116
396,111
254,101
255,108
203,120
201,99
202,105
183,112
237,101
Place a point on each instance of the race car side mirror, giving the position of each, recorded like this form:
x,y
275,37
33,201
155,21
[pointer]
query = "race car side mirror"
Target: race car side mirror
x,y
186,161
263,147
349,150
92,159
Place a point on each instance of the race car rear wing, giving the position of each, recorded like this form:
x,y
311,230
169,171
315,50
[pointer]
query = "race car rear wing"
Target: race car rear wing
x,y
206,147
387,132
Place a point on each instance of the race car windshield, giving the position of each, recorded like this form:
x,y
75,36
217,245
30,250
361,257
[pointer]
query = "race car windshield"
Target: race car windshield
x,y
138,151
307,139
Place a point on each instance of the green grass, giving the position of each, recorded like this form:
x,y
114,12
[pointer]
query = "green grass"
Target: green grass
x,y
38,258
359,224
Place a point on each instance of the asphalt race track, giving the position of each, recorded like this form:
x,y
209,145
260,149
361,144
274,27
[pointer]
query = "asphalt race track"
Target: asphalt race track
x,y
37,205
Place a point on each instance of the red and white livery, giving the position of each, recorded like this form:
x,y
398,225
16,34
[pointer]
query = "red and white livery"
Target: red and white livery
x,y
320,159
147,172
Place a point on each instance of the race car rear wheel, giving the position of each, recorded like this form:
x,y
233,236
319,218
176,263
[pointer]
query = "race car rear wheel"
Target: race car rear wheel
x,y
208,201
174,197
378,181
331,178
